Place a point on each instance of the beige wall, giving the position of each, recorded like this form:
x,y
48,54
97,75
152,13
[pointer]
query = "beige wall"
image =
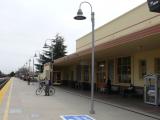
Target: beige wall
x,y
133,21
149,56
46,72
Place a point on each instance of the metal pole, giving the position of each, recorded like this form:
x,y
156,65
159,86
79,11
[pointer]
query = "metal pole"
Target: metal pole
x,y
92,81
29,66
52,66
81,17
33,68
29,73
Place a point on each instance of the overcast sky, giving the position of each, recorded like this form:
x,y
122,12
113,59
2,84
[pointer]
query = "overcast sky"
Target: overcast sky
x,y
26,24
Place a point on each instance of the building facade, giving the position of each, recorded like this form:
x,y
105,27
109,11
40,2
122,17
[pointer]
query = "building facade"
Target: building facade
x,y
126,49
46,74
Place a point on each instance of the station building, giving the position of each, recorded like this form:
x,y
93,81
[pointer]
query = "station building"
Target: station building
x,y
126,49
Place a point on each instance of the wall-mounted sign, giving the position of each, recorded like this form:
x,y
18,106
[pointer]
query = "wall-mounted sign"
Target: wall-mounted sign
x,y
154,5
76,117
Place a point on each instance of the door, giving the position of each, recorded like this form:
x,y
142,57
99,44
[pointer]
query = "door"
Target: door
x,y
101,75
111,69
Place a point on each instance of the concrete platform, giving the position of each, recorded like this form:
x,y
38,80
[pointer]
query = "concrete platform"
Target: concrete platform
x,y
25,105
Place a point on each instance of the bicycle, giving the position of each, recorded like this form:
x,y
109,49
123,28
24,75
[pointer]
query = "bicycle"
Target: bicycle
x,y
42,88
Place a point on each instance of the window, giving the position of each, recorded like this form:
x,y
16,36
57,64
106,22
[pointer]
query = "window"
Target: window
x,y
157,65
78,72
124,69
86,72
142,68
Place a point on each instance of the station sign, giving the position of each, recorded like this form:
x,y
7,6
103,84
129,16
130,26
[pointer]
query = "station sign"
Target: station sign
x,y
154,5
76,117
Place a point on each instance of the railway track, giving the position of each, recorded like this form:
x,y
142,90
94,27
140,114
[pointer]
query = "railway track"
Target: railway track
x,y
3,81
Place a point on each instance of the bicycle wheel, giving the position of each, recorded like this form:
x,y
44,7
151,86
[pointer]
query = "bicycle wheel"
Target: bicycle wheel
x,y
38,91
51,91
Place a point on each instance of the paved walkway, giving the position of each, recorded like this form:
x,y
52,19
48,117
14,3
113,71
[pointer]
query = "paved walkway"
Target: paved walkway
x,y
130,103
21,103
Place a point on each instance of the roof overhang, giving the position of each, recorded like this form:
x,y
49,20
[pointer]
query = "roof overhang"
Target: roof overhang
x,y
145,40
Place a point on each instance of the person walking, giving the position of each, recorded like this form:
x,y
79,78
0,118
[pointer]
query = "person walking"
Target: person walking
x,y
29,79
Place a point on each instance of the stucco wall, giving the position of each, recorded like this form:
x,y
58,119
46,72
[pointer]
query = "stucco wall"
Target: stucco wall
x,y
149,56
135,20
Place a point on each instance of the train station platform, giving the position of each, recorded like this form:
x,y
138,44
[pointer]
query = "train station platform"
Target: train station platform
x,y
21,103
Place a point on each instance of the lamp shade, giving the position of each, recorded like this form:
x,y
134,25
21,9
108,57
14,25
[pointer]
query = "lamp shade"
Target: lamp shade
x,y
45,46
35,55
154,5
79,15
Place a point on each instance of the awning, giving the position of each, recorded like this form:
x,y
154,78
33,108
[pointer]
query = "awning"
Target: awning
x,y
145,40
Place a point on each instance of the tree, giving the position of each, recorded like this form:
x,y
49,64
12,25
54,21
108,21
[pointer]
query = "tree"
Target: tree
x,y
22,71
2,74
57,49
12,74
47,54
41,61
39,67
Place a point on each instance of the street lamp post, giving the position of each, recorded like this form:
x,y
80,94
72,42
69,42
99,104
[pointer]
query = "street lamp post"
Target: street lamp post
x,y
33,68
81,17
29,66
29,73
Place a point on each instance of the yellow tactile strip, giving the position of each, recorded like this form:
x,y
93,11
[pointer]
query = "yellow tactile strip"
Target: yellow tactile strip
x,y
4,90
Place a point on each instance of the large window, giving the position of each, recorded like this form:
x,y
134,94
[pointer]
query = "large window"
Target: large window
x,y
157,65
142,68
124,69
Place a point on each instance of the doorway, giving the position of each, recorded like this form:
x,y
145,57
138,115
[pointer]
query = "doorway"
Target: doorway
x,y
111,69
56,76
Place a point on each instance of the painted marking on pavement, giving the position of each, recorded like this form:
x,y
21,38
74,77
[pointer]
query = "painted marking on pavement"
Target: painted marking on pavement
x,y
15,111
5,116
76,117
4,90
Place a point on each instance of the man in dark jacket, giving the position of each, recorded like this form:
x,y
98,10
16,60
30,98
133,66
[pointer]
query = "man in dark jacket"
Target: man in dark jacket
x,y
48,84
109,86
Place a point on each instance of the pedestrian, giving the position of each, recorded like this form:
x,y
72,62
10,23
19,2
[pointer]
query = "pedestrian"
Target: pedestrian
x,y
129,90
29,79
109,86
47,84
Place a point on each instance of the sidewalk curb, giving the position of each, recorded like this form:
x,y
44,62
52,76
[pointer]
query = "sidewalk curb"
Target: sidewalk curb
x,y
116,105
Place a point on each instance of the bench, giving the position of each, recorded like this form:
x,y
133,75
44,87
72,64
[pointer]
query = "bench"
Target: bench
x,y
135,92
139,92
114,89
